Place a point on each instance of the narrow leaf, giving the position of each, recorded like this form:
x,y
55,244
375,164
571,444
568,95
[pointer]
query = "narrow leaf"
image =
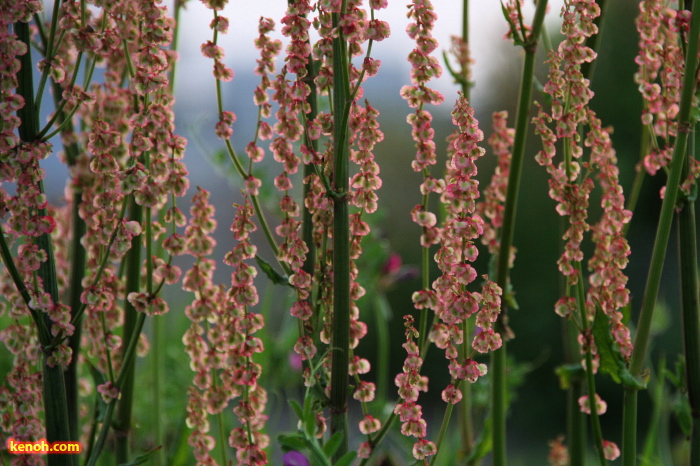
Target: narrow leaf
x,y
333,444
141,459
271,273
293,442
346,459
611,360
297,409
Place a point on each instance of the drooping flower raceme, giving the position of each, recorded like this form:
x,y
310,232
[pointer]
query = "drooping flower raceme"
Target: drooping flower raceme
x,y
587,159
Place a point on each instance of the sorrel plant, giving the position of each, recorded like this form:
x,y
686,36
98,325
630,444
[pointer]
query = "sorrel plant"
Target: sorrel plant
x,y
80,280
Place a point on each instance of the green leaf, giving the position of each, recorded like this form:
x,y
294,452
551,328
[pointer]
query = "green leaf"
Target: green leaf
x,y
297,409
333,444
347,459
510,297
483,445
309,420
271,273
611,360
606,350
537,84
293,442
141,459
98,379
567,373
180,451
681,408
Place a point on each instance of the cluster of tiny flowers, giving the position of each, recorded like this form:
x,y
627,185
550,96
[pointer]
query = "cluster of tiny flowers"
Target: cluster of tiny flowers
x,y
220,340
132,150
460,50
493,205
558,453
570,96
512,9
269,49
660,74
241,372
410,383
424,68
453,303
365,133
662,30
293,108
21,391
607,281
206,396
11,48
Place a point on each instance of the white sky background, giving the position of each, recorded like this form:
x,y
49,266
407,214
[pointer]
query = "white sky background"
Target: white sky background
x,y
487,27
195,91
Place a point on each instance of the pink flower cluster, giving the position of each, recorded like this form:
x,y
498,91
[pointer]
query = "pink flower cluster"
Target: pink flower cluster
x,y
493,205
570,96
221,341
662,31
571,186
410,382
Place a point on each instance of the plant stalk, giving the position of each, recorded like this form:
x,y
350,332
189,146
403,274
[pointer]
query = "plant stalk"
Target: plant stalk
x,y
498,359
687,249
55,399
629,447
341,245
122,422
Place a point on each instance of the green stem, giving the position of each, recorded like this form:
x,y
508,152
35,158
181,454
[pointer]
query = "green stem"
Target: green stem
x,y
50,52
498,360
133,278
377,439
78,261
663,232
576,426
381,310
640,172
590,376
341,245
9,262
466,420
157,361
687,249
121,378
629,427
55,401
443,427
651,453
307,217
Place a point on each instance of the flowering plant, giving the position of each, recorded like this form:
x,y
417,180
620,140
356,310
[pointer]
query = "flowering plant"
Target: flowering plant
x,y
83,280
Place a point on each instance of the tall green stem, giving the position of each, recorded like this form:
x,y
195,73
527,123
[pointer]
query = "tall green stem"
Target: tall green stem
x,y
629,446
590,376
55,401
133,278
687,248
466,421
498,359
341,244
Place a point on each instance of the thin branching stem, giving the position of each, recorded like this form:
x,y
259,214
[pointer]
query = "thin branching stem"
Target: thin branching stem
x,y
498,359
663,232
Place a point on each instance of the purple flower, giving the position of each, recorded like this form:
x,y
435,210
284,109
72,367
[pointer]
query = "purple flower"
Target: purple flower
x,y
294,458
